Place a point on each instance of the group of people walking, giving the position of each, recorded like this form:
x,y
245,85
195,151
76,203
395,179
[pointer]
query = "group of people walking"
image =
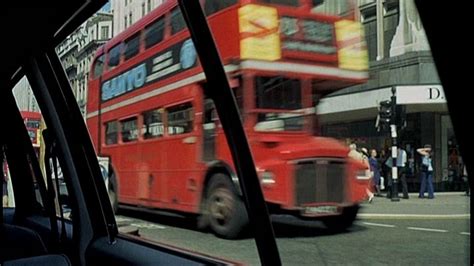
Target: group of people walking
x,y
380,166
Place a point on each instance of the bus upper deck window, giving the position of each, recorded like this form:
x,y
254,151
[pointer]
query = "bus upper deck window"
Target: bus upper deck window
x,y
99,66
114,56
177,21
132,46
283,2
155,33
213,6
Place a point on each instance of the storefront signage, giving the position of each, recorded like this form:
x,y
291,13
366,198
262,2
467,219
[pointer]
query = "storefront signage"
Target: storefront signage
x,y
420,94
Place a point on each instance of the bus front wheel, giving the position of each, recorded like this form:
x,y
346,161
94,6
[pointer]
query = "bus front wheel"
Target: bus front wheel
x,y
225,211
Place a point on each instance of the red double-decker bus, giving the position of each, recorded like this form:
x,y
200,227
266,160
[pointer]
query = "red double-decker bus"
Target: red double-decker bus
x,y
149,113
32,122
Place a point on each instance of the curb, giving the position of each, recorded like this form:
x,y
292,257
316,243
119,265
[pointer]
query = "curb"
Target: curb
x,y
412,216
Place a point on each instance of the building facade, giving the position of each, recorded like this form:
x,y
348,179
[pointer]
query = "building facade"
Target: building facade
x,y
78,50
400,60
127,12
24,96
67,52
95,32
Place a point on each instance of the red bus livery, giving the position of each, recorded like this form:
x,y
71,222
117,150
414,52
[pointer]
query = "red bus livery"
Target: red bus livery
x,y
148,112
32,122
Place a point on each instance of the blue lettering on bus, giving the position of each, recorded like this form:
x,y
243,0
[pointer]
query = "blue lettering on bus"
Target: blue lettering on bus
x,y
120,86
140,75
129,76
125,82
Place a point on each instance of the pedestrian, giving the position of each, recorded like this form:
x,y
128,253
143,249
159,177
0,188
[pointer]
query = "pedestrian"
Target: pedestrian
x,y
387,165
383,169
375,170
401,167
353,153
365,160
426,174
454,170
359,156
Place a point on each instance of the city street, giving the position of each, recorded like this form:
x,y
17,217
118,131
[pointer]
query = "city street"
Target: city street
x,y
301,106
409,232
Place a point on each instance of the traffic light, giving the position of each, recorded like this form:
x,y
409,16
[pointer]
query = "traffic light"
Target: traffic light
x,y
384,117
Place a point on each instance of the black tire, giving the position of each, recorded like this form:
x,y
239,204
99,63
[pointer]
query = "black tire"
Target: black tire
x,y
224,210
342,222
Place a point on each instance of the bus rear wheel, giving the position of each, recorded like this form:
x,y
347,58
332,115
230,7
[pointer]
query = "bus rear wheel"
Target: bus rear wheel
x,y
225,211
342,222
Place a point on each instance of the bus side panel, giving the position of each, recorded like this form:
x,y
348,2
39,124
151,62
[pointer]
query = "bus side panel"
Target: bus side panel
x,y
93,106
227,38
357,186
267,159
93,128
126,159
275,193
93,95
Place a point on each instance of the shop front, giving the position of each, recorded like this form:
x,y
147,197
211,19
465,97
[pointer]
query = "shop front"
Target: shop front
x,y
351,119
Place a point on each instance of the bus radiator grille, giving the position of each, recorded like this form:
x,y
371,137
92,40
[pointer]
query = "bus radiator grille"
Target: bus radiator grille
x,y
320,180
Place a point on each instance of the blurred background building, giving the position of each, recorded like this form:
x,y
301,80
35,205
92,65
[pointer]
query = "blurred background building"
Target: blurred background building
x,y
127,12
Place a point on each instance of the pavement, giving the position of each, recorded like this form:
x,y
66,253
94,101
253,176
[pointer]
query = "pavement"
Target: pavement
x,y
444,205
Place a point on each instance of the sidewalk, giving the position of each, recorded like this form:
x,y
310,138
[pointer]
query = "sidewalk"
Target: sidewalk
x,y
444,205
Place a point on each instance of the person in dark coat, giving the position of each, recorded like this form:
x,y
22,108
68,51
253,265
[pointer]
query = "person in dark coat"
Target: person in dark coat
x,y
375,169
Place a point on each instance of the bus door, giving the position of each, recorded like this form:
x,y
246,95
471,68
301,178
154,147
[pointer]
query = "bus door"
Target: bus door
x,y
209,131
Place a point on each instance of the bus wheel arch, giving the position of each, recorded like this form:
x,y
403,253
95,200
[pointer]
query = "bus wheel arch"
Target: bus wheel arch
x,y
225,210
221,167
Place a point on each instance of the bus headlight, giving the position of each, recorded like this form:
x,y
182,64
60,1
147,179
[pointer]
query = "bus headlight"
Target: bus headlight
x,y
267,178
362,175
